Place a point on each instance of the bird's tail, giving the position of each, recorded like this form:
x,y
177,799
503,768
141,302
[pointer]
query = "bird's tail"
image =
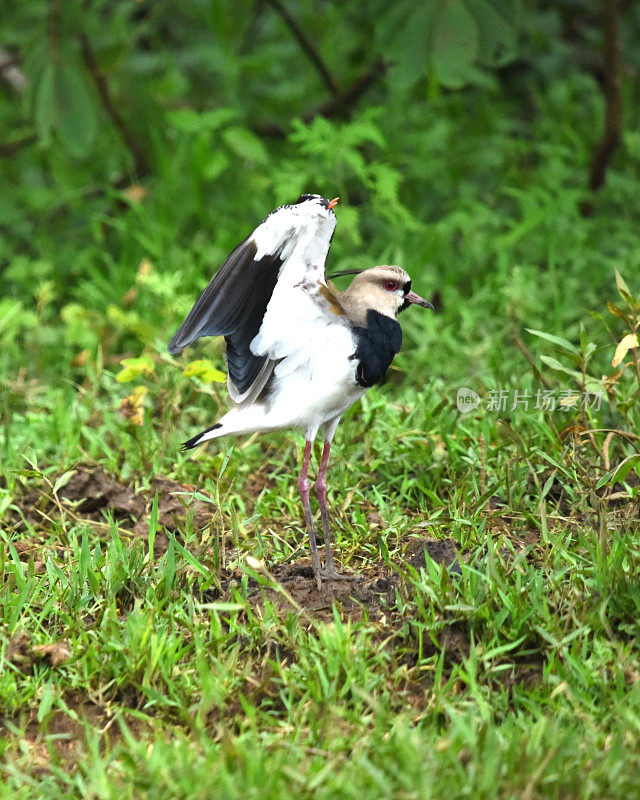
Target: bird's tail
x,y
238,420
201,437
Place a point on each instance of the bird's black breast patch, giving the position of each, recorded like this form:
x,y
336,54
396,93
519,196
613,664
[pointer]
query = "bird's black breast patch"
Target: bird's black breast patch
x,y
377,345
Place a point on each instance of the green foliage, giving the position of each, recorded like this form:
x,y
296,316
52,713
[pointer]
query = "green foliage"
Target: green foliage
x,y
204,369
133,368
65,107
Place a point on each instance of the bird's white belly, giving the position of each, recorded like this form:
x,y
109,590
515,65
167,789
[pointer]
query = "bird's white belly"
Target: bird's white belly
x,y
317,383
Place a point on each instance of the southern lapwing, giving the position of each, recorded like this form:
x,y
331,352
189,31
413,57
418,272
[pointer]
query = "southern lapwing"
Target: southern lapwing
x,y
299,352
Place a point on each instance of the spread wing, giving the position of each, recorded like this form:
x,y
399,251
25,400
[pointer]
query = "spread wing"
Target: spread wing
x,y
287,248
233,306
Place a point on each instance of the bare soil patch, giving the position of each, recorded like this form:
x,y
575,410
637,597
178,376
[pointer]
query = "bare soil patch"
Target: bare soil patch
x,y
367,591
90,494
61,737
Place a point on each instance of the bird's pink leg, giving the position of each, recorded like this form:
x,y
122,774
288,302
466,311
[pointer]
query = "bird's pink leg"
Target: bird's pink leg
x,y
303,488
321,490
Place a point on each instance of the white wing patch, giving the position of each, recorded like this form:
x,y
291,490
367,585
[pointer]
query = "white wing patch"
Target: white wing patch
x,y
304,230
296,316
296,312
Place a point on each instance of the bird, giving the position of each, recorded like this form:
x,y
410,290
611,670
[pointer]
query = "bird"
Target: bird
x,y
299,352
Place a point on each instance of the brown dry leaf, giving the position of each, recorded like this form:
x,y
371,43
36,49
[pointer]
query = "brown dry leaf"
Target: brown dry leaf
x,y
57,653
374,519
574,429
136,193
132,406
627,343
18,650
611,380
130,296
81,359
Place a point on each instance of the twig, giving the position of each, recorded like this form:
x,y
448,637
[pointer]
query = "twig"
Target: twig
x,y
307,47
594,444
636,364
537,774
9,149
340,106
632,438
141,164
612,68
522,347
605,450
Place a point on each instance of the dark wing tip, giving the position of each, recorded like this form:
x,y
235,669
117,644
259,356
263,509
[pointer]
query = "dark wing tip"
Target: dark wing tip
x,y
217,311
179,340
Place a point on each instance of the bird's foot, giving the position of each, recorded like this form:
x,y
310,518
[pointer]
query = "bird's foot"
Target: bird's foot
x,y
332,574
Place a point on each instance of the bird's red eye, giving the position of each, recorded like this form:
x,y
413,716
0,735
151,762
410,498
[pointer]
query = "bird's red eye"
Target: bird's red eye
x,y
390,286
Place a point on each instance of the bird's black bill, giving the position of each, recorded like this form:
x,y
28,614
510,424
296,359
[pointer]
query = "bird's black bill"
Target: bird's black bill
x,y
345,272
412,297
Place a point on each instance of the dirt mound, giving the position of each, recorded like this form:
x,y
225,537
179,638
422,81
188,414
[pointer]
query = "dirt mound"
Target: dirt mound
x,y
362,592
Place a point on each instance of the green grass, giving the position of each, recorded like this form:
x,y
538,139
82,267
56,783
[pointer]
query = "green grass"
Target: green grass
x,y
517,678
538,691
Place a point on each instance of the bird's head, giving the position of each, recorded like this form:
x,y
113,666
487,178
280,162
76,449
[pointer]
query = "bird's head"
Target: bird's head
x,y
313,204
385,289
